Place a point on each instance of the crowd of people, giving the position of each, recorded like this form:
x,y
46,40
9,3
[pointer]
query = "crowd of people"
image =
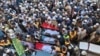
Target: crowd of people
x,y
52,26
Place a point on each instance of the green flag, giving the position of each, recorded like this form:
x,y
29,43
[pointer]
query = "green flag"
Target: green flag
x,y
18,46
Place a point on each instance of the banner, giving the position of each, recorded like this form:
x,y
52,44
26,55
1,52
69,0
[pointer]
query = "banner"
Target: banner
x,y
18,46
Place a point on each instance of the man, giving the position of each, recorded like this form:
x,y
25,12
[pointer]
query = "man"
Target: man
x,y
81,33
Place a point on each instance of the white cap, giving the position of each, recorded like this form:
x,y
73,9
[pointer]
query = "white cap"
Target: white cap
x,y
16,17
90,11
26,11
46,15
74,20
91,4
29,18
58,36
25,1
8,50
86,8
63,29
75,6
1,47
59,24
65,26
49,17
67,19
76,48
48,4
85,21
94,3
75,12
10,31
54,18
12,35
64,18
60,16
69,47
84,53
86,11
54,12
66,13
91,26
8,2
47,0
28,35
94,26
44,12
86,16
23,7
3,27
98,9
36,10
40,3
57,9
31,3
77,17
97,24
13,13
59,2
74,23
6,29
71,2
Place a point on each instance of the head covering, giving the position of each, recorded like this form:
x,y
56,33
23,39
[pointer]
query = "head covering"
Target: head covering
x,y
75,12
49,17
65,26
8,50
12,35
91,26
28,35
54,12
66,13
3,27
58,36
94,26
76,48
44,12
85,21
59,24
1,47
75,7
86,16
63,29
67,19
71,2
98,9
69,47
10,31
74,20
84,53
97,24
64,18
